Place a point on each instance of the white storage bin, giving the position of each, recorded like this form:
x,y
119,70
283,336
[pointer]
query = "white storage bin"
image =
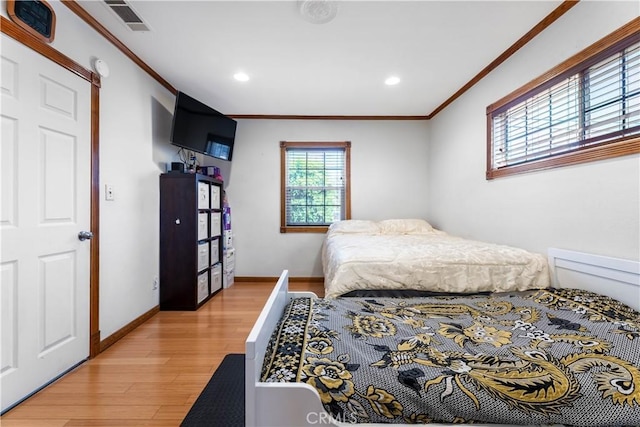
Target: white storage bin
x,y
203,229
203,286
216,278
227,278
203,256
229,259
215,224
203,195
228,239
215,197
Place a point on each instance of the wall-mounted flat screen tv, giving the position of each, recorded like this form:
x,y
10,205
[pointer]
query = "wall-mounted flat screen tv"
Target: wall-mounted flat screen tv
x,y
200,128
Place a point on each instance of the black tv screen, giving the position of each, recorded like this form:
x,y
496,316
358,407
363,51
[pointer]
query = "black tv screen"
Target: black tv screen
x,y
200,128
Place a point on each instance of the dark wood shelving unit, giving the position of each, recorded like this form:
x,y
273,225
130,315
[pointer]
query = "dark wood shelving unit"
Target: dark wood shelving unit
x,y
190,240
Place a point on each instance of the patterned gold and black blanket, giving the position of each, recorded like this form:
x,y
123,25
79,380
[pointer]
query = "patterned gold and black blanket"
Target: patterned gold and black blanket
x,y
561,356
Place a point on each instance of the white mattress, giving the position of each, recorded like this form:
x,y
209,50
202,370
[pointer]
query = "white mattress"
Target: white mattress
x,y
433,262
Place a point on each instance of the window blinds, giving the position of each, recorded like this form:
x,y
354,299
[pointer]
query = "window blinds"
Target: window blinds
x,y
595,105
315,186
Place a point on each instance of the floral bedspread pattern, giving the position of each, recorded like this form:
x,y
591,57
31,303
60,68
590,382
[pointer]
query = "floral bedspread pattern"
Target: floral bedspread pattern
x,y
531,357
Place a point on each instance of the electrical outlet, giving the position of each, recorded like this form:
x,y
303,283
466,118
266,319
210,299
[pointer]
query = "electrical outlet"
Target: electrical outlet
x,y
108,192
155,283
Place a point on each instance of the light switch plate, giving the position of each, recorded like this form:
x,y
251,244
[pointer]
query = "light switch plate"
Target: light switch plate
x,y
108,192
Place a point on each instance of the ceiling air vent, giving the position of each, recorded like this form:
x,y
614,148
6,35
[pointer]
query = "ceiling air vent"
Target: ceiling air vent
x,y
127,15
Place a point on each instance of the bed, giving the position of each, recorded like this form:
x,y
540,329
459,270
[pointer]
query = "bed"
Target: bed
x,y
562,363
411,254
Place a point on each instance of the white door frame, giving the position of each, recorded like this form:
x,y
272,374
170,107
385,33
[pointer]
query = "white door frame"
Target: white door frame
x,y
12,30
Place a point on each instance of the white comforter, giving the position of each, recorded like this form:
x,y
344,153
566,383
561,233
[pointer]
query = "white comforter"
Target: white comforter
x,y
434,262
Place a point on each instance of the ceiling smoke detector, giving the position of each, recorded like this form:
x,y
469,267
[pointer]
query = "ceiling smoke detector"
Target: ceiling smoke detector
x,y
317,11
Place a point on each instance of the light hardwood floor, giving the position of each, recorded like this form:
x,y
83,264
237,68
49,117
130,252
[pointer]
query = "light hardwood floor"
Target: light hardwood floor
x,y
152,376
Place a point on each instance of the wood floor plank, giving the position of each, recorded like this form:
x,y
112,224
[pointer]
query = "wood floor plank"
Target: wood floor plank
x,y
172,412
94,411
176,387
132,373
120,423
124,351
212,361
152,376
35,423
91,388
115,399
128,377
142,360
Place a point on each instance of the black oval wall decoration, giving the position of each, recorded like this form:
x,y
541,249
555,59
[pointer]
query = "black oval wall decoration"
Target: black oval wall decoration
x,y
34,16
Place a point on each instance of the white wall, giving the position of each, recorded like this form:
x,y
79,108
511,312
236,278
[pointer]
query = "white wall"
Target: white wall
x,y
135,118
593,207
388,180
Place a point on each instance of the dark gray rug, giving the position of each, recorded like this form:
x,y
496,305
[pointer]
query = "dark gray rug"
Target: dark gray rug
x,y
221,403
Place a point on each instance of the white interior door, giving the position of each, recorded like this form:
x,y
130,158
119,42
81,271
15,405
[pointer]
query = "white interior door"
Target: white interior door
x,y
45,202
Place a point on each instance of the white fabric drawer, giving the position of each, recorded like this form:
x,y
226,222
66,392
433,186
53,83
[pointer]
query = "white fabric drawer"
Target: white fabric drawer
x,y
203,286
216,278
215,224
203,256
203,195
215,197
203,228
215,252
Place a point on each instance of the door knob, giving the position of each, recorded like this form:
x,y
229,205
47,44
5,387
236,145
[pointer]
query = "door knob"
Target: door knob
x,y
85,235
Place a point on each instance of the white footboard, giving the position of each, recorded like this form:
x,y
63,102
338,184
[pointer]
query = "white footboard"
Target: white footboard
x,y
614,277
276,404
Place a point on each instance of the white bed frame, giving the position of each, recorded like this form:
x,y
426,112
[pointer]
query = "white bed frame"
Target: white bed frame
x,y
298,404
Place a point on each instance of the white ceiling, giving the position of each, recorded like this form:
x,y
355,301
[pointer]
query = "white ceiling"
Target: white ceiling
x,y
338,68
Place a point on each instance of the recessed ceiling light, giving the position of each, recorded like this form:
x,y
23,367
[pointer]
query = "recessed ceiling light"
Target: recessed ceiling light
x,y
392,80
241,77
